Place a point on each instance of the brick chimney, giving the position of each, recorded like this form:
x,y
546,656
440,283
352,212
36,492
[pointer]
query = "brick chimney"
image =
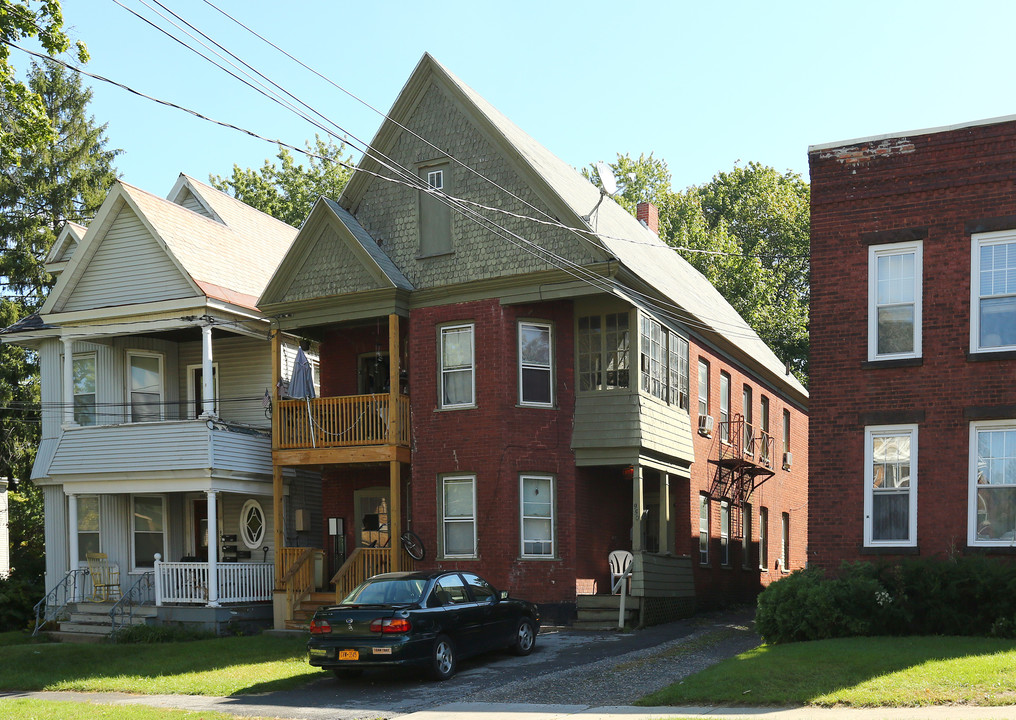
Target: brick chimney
x,y
648,215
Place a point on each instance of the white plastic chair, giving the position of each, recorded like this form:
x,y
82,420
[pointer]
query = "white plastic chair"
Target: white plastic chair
x,y
620,561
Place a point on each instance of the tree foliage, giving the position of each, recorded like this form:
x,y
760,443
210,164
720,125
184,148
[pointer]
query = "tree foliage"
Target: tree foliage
x,y
60,177
747,231
288,191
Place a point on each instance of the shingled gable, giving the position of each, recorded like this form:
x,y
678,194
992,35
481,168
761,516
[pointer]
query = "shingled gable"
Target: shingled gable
x,y
332,255
142,248
648,265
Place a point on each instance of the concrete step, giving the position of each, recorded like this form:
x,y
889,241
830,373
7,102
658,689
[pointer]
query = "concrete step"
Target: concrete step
x,y
73,637
607,616
86,628
598,602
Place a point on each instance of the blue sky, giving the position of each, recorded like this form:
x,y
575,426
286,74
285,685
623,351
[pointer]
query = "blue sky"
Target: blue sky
x,y
702,85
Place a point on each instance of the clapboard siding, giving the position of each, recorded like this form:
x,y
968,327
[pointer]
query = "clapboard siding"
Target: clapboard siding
x,y
662,576
190,202
665,429
609,419
55,520
241,453
115,530
230,506
244,373
129,267
180,445
613,427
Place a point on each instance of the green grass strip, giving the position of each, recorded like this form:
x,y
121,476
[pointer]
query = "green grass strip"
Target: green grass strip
x,y
29,709
859,672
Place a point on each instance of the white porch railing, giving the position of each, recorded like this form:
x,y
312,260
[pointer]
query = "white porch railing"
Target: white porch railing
x,y
186,583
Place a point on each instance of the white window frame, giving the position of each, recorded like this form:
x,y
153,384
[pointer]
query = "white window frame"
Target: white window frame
x,y
875,253
972,519
978,241
458,519
725,533
165,531
192,389
746,531
883,431
95,389
784,541
523,517
442,370
705,519
82,560
253,543
763,538
725,408
703,397
162,384
549,367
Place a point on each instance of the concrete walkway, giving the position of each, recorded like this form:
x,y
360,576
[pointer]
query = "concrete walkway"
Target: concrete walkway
x,y
249,707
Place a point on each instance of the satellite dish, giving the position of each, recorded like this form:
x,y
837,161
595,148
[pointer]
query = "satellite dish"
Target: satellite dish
x,y
607,179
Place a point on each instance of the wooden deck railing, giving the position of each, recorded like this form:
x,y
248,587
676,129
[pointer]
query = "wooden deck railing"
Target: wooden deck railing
x,y
299,576
362,564
347,421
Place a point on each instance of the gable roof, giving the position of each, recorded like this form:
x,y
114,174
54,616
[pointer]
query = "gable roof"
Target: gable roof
x,y
678,288
63,247
229,260
321,264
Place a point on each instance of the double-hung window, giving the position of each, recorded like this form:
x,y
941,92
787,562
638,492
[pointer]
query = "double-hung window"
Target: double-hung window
x,y
993,291
992,481
746,558
144,378
749,427
724,407
536,369
703,387
763,538
703,529
537,506
458,516
784,541
664,363
890,485
894,301
149,528
458,383
84,389
724,532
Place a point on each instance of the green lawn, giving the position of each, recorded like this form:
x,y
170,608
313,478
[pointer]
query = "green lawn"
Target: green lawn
x,y
223,666
861,672
22,709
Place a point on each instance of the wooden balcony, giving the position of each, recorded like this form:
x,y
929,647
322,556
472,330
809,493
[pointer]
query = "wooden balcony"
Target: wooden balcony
x,y
310,431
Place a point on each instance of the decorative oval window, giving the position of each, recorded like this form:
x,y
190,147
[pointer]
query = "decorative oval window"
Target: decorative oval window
x,y
252,524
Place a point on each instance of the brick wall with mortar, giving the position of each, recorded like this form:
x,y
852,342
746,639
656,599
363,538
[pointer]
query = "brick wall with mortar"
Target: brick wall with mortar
x,y
785,492
940,186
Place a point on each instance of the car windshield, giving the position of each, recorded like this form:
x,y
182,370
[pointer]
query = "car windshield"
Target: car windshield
x,y
403,591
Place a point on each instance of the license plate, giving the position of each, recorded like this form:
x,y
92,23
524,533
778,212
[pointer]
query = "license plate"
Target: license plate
x,y
318,652
349,655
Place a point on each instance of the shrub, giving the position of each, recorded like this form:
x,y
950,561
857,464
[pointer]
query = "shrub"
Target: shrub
x,y
955,596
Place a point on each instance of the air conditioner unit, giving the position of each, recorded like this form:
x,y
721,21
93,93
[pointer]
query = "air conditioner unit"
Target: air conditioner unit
x,y
788,460
705,425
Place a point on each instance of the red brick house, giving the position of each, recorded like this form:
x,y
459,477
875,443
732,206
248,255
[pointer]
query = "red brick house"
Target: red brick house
x,y
521,373
913,338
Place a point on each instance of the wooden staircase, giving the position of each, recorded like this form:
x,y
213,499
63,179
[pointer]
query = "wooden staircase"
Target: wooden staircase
x,y
89,622
599,612
306,609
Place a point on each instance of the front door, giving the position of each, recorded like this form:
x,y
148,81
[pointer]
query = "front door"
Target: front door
x,y
373,373
372,516
200,529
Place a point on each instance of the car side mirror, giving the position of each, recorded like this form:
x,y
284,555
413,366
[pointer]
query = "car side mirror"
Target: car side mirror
x,y
504,595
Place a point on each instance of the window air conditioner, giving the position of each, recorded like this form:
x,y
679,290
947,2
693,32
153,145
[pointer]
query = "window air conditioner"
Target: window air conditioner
x,y
705,425
788,460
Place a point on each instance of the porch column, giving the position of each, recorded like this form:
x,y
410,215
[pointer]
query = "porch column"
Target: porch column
x,y
213,551
279,528
638,508
68,382
666,537
276,380
72,539
394,471
207,374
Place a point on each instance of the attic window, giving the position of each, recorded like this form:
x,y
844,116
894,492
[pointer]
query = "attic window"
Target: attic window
x,y
435,217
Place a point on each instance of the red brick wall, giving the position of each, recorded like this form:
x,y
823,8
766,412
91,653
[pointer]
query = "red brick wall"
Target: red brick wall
x,y
941,186
785,492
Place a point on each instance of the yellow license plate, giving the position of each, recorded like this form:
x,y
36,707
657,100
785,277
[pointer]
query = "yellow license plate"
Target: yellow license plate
x,y
349,655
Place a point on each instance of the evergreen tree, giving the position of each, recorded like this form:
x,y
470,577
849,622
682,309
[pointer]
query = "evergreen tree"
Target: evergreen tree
x,y
62,177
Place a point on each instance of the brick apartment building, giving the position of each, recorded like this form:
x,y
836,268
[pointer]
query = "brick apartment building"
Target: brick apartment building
x,y
528,380
913,342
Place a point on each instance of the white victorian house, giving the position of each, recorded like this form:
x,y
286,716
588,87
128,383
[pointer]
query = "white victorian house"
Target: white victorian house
x,y
156,440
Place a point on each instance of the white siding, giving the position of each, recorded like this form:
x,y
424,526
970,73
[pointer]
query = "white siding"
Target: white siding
x,y
125,448
55,520
114,530
244,373
241,453
5,536
50,352
190,202
230,505
129,267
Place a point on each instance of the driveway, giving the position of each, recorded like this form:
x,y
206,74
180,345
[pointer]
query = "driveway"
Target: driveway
x,y
568,667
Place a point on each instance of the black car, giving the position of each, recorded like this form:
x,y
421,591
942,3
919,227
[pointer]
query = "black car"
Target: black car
x,y
428,619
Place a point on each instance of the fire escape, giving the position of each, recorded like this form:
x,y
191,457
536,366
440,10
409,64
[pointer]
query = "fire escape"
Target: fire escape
x,y
743,462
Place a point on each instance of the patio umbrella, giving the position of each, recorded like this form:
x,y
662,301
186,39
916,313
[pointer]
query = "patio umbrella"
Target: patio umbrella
x,y
301,385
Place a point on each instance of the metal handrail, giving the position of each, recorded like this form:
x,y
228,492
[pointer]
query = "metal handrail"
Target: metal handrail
x,y
623,582
51,606
140,589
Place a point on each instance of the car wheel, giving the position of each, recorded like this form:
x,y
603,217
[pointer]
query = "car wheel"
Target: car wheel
x,y
525,638
442,665
347,673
